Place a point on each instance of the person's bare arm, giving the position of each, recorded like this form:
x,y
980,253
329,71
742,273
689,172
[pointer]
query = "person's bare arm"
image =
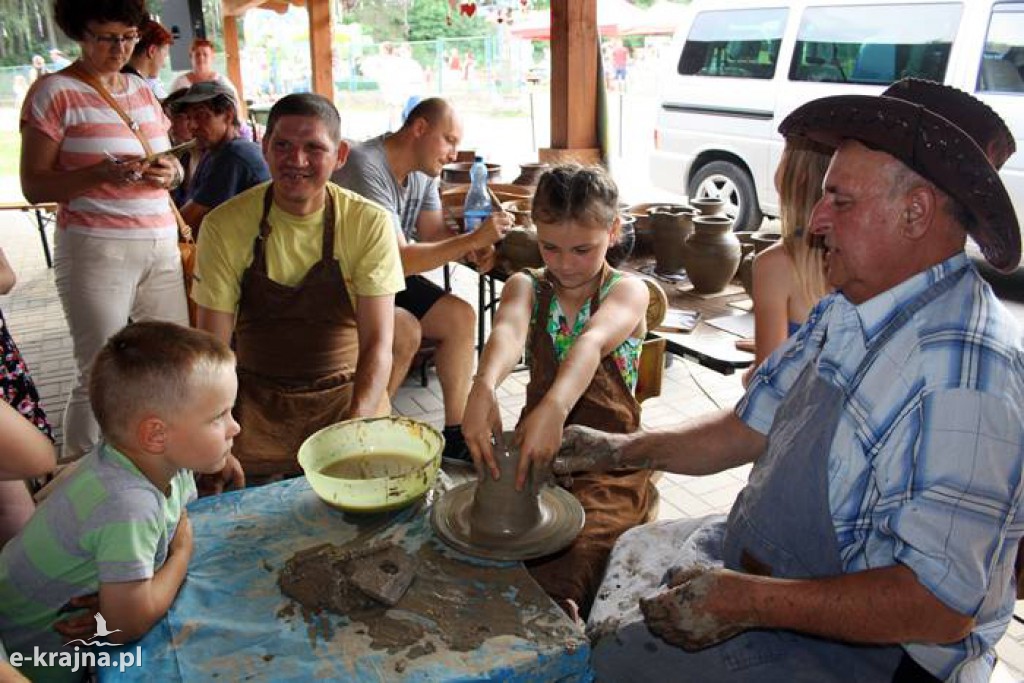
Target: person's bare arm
x,y
7,276
878,606
419,257
430,226
375,327
135,606
218,323
705,445
773,276
502,352
193,213
617,318
42,182
24,450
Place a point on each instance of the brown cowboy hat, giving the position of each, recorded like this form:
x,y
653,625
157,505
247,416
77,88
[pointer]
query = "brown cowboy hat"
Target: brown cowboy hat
x,y
929,128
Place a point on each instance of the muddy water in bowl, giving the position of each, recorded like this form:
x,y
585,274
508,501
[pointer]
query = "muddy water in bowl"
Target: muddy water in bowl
x,y
499,511
372,466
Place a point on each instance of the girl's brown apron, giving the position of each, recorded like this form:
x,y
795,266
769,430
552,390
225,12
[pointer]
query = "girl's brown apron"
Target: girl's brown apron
x,y
297,349
613,501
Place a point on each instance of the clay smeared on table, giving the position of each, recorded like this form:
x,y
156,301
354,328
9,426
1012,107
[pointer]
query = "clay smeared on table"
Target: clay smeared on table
x,y
449,603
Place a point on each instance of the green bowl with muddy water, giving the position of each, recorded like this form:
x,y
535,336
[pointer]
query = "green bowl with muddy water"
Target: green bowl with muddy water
x,y
372,465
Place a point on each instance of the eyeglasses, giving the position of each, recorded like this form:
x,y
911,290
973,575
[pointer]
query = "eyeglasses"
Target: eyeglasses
x,y
112,39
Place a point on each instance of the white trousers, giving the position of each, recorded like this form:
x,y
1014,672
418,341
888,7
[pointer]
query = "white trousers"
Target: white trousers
x,y
102,283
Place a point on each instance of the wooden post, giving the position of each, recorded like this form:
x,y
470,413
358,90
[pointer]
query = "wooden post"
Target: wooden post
x,y
234,57
321,33
574,55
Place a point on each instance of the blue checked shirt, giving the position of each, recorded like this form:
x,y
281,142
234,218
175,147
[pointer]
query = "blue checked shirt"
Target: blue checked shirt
x,y
926,463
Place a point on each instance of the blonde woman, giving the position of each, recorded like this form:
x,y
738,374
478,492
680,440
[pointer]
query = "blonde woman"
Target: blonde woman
x,y
788,276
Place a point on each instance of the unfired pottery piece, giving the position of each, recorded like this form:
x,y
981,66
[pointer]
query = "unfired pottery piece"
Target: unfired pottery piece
x,y
529,174
671,228
708,206
712,254
489,518
561,519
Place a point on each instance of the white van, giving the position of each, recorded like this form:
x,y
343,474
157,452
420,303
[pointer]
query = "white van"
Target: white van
x,y
737,67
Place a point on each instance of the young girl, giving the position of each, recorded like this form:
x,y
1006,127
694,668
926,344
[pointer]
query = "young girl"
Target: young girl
x,y
788,276
582,325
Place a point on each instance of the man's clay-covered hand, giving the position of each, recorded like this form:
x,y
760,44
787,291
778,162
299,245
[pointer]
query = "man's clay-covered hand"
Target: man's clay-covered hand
x,y
587,450
81,625
690,614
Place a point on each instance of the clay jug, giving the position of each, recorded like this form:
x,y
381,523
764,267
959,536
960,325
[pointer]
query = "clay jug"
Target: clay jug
x,y
499,511
529,174
671,227
746,269
712,254
708,206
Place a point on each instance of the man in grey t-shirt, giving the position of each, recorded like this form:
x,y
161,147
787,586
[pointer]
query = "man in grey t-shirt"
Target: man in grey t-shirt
x,y
400,172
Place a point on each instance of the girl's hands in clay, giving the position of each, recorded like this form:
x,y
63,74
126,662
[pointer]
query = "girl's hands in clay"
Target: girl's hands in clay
x,y
692,614
588,450
481,418
539,437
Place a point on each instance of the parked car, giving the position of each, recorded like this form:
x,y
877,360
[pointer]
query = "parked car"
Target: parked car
x,y
737,68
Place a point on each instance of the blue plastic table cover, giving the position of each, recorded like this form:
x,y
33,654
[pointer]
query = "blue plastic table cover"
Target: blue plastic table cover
x,y
231,622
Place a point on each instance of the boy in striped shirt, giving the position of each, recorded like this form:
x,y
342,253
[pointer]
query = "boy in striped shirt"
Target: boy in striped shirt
x,y
117,526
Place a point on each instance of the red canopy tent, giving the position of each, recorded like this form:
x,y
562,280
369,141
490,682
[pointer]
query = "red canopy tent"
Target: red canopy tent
x,y
614,17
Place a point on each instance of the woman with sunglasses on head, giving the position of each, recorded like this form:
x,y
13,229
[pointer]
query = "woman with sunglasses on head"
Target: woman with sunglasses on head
x,y
85,133
150,55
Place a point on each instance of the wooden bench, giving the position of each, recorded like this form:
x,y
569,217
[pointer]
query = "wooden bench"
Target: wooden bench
x,y
45,214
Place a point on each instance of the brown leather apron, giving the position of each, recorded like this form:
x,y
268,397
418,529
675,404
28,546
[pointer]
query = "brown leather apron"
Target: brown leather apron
x,y
613,501
297,349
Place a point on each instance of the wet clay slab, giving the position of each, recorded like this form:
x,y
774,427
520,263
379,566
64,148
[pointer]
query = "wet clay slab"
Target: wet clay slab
x,y
347,580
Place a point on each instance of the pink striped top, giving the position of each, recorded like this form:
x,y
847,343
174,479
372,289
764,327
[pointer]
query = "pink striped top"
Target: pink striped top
x,y
83,124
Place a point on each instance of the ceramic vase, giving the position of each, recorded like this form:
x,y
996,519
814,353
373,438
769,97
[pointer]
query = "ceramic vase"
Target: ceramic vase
x,y
712,254
499,511
671,227
621,250
529,174
746,269
708,206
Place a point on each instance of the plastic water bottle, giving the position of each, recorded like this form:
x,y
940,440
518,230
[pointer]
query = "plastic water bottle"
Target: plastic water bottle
x,y
478,201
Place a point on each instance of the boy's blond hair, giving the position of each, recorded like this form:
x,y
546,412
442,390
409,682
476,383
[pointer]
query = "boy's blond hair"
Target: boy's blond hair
x,y
150,368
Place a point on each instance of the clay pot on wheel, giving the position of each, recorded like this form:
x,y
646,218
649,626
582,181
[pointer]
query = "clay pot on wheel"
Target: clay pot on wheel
x,y
529,174
712,254
458,172
499,511
671,227
621,249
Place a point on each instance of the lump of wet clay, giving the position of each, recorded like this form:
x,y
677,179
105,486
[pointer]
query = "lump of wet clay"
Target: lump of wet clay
x,y
347,580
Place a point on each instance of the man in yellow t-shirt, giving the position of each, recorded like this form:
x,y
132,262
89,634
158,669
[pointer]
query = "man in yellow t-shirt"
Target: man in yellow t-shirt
x,y
303,274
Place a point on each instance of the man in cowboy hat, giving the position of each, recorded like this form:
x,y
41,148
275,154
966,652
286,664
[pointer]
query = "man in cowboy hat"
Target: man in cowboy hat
x,y
875,540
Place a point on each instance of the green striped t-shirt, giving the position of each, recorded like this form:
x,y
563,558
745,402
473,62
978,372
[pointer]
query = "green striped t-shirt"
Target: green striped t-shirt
x,y
106,524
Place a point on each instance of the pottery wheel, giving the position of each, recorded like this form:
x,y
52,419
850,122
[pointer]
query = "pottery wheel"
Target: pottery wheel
x,y
561,519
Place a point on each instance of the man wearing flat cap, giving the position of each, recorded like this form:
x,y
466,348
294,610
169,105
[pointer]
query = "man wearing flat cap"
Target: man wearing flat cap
x,y
876,537
230,164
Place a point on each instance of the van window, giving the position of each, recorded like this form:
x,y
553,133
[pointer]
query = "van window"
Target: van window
x,y
734,43
874,44
1002,62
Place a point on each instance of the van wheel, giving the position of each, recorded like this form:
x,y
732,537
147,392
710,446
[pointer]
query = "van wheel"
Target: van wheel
x,y
729,182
